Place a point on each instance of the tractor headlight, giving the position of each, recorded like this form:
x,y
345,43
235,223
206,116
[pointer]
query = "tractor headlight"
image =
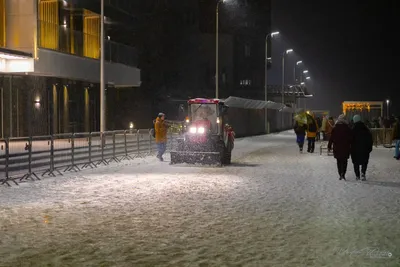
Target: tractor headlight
x,y
193,130
200,130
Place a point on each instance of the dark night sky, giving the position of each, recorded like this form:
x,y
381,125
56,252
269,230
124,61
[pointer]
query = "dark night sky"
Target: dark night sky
x,y
350,48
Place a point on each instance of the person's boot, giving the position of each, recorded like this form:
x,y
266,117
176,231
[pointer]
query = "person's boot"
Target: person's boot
x,y
363,178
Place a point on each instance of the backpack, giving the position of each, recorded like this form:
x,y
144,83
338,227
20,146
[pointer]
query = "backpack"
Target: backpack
x,y
153,132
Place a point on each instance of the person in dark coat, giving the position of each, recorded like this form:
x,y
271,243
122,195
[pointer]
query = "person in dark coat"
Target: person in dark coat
x,y
312,129
396,138
300,130
319,124
361,147
341,138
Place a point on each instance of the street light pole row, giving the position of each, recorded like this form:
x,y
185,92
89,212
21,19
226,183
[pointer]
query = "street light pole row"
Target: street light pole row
x,y
272,34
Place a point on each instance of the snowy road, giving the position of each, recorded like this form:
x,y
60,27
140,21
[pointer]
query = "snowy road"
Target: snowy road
x,y
272,207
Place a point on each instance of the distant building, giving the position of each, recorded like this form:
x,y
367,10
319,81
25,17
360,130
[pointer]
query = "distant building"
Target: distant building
x,y
50,69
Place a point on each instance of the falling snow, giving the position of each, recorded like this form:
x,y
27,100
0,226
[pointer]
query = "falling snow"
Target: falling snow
x,y
272,207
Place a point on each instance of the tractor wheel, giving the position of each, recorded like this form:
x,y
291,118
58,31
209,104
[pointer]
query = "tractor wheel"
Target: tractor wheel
x,y
228,154
221,149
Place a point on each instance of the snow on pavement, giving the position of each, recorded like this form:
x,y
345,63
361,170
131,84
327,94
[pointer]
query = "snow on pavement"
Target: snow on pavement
x,y
272,207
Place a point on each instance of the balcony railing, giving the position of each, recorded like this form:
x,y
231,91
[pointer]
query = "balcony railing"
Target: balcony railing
x,y
62,39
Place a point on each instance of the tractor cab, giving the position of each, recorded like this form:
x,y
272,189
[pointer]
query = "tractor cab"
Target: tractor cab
x,y
205,116
206,139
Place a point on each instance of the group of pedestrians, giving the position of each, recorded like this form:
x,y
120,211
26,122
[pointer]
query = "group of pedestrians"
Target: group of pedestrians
x,y
346,139
309,129
356,142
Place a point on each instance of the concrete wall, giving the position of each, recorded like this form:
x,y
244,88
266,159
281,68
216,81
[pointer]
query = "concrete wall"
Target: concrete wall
x,y
248,122
21,21
52,63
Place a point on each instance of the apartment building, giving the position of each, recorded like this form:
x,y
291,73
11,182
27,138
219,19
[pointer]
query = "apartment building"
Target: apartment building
x,y
50,67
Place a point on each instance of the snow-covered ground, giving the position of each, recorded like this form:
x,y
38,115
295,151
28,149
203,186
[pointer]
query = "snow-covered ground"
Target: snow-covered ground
x,y
272,207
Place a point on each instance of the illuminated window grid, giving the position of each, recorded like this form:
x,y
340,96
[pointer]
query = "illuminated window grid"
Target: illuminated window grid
x,y
91,32
2,23
49,28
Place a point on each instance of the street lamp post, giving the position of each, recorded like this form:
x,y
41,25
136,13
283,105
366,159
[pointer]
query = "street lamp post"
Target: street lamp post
x,y
283,78
102,85
295,67
283,73
387,108
217,49
272,34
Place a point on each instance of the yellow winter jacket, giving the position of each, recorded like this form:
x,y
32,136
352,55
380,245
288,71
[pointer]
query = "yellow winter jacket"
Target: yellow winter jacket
x,y
161,131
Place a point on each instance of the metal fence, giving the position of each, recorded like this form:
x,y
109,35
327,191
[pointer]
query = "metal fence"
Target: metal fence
x,y
382,136
34,157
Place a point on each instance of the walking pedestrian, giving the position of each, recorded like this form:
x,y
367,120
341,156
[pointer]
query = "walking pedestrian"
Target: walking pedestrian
x,y
341,138
160,128
300,130
323,127
361,147
396,138
329,127
312,129
319,124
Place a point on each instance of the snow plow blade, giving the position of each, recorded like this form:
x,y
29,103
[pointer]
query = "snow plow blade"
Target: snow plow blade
x,y
204,158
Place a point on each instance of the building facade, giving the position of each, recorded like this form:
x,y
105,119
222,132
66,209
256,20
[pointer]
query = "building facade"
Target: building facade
x,y
50,68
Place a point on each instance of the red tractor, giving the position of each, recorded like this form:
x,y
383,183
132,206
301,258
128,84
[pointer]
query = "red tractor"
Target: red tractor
x,y
207,138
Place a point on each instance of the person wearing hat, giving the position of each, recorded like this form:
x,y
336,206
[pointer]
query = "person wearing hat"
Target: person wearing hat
x,y
341,138
361,147
160,129
312,129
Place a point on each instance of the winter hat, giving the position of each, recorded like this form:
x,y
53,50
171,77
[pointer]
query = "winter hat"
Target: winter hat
x,y
161,114
356,118
341,119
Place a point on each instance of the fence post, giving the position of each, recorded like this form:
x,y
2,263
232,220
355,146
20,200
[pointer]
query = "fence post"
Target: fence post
x,y
125,145
90,162
30,173
7,147
51,155
73,166
138,142
150,143
90,149
7,140
113,141
103,145
126,156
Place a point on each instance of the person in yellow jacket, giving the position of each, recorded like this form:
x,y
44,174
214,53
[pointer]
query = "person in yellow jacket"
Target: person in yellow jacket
x,y
160,128
312,129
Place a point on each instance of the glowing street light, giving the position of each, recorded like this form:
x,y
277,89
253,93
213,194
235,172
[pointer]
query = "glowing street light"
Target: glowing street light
x,y
387,107
272,34
305,71
302,83
299,62
283,77
307,78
